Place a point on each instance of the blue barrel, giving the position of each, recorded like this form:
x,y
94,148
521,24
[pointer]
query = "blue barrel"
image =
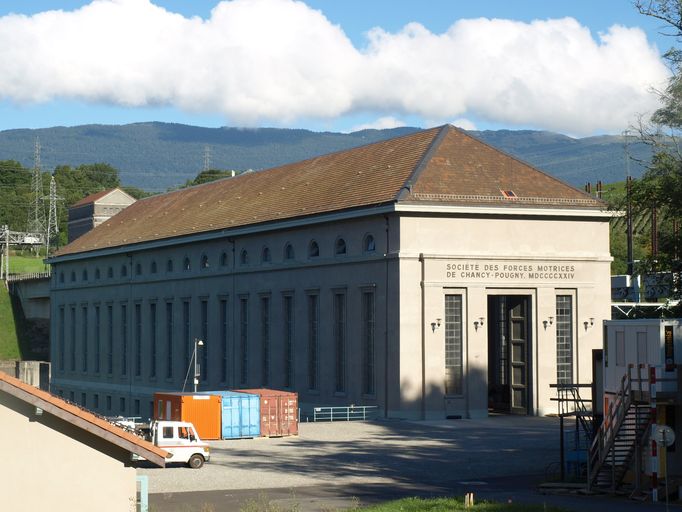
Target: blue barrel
x,y
240,414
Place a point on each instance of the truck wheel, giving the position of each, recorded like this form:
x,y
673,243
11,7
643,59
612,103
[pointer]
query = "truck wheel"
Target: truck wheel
x,y
195,461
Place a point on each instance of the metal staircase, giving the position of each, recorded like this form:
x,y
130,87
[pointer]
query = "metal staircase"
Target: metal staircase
x,y
617,443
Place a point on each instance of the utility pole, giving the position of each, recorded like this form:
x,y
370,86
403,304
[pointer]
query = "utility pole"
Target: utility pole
x,y
207,157
36,216
52,222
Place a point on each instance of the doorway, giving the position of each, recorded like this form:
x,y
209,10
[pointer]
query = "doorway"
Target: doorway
x,y
509,336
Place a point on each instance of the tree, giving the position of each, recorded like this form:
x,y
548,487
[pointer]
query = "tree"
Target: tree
x,y
208,176
661,186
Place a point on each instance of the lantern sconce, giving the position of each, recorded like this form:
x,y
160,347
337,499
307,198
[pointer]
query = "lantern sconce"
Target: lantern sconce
x,y
478,323
588,324
550,321
435,325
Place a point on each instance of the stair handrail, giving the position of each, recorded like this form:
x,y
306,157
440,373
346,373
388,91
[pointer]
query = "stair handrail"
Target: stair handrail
x,y
606,435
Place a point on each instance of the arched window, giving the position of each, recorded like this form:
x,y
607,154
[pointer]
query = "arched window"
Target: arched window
x,y
368,244
152,267
340,247
223,259
73,276
124,271
265,255
110,272
97,273
313,249
289,252
61,277
204,261
243,257
169,266
186,265
138,269
85,274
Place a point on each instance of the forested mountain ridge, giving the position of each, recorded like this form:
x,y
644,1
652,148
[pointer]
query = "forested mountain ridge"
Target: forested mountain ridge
x,y
156,156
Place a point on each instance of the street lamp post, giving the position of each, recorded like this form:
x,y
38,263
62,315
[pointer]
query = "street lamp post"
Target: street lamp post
x,y
197,367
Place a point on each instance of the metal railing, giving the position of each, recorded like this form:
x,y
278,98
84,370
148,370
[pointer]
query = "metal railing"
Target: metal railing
x,y
13,278
348,413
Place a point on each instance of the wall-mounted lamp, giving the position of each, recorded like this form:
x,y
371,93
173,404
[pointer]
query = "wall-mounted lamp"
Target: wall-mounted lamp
x,y
478,323
591,322
550,321
435,325
588,324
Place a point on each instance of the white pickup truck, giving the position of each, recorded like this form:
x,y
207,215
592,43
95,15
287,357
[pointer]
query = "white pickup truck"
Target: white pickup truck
x,y
181,441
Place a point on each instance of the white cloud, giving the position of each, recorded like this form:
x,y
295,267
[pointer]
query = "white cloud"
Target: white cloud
x,y
380,124
259,61
463,123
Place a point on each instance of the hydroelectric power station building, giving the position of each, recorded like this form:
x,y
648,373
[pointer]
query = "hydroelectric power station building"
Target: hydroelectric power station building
x,y
430,275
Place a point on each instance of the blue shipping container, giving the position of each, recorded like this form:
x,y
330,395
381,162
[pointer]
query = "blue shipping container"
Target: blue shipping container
x,y
240,414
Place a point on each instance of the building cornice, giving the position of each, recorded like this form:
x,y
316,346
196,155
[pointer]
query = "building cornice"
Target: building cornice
x,y
431,209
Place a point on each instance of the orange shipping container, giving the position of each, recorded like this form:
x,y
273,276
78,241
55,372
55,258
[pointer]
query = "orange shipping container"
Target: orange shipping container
x,y
278,411
204,411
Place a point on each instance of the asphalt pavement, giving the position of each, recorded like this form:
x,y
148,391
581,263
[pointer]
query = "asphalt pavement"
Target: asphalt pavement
x,y
336,466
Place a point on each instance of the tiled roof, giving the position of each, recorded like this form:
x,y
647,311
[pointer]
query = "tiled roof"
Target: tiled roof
x,y
93,198
438,165
82,418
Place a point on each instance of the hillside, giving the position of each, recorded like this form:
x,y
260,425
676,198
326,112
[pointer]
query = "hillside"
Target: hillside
x,y
155,156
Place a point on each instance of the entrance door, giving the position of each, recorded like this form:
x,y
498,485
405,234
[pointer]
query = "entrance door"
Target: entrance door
x,y
508,342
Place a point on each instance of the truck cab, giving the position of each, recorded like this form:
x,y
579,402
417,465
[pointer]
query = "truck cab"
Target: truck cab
x,y
181,441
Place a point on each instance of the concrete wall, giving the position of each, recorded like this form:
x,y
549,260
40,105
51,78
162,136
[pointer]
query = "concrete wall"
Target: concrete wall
x,y
479,257
354,273
52,465
408,355
34,295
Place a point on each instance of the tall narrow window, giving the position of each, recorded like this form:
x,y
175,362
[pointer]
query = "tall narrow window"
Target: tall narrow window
x,y
340,341
368,387
564,339
152,340
313,333
169,340
223,339
188,344
72,347
453,345
110,339
289,252
244,339
61,337
138,340
204,337
288,341
98,340
124,339
265,339
84,338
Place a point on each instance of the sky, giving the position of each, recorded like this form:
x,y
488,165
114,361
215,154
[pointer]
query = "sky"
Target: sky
x,y
577,67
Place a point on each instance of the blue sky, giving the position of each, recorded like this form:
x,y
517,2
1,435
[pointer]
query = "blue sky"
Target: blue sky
x,y
356,65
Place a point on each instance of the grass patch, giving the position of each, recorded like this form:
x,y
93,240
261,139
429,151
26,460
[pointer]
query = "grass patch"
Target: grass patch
x,y
25,264
454,504
9,343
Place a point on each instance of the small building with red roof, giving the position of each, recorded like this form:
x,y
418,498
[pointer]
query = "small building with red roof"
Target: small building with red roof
x,y
94,209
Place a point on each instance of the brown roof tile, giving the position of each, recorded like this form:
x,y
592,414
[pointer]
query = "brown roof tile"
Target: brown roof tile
x,y
442,164
46,400
92,198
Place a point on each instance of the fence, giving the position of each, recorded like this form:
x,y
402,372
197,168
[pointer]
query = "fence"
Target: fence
x,y
349,413
12,278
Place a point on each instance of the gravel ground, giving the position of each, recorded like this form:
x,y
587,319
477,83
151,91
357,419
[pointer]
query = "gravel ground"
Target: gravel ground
x,y
381,452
